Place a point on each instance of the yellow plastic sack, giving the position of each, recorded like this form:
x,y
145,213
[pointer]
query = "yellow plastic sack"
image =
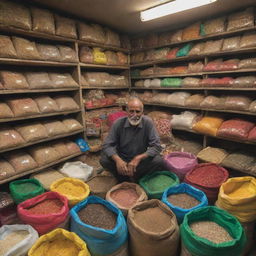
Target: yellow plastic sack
x,y
99,57
74,189
59,242
238,197
208,125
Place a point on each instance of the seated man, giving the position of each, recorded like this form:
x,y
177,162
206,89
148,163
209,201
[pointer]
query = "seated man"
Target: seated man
x,y
132,147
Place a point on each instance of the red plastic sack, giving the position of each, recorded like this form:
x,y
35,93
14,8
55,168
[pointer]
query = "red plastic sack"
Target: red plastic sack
x,y
114,116
229,64
180,163
43,223
235,128
252,134
172,53
208,178
213,65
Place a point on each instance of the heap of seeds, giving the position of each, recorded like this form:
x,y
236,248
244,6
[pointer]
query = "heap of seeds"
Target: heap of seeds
x,y
183,200
211,231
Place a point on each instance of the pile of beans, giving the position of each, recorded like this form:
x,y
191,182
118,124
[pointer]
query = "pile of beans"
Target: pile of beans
x,y
125,197
11,240
48,206
183,200
211,231
160,183
98,215
25,188
152,219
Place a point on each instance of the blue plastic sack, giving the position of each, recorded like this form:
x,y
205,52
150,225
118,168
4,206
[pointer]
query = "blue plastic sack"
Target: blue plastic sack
x,y
82,144
99,241
184,188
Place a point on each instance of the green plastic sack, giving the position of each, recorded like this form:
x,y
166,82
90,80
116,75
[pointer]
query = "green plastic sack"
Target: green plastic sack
x,y
184,50
199,246
171,82
22,190
135,73
202,31
156,183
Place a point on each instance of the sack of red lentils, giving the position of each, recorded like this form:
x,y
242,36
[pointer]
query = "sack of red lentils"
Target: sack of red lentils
x,y
101,225
125,195
44,212
153,229
208,178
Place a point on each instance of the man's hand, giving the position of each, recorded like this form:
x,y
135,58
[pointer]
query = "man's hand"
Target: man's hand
x,y
121,167
132,165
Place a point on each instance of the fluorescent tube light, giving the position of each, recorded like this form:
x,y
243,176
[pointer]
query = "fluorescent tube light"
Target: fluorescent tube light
x,y
172,7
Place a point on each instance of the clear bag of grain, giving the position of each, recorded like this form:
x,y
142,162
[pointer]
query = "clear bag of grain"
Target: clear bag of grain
x,y
38,80
47,177
48,52
6,170
122,58
236,102
65,27
176,36
25,49
112,38
85,54
32,132
44,154
214,26
244,81
247,63
213,155
252,107
125,41
91,32
112,58
164,38
191,81
137,57
194,100
177,98
6,200
93,78
10,138
231,43
230,64
13,80
21,161
23,107
46,104
66,103
195,67
248,40
241,19
152,223
7,49
72,124
55,128
67,54
17,239
212,46
72,147
213,102
5,111
62,80
43,20
151,40
15,14
197,49
61,148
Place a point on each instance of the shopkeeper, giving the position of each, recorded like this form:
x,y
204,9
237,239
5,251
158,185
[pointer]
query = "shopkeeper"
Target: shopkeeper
x,y
132,147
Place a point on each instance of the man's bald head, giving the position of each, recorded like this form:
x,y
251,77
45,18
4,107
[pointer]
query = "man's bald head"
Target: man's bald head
x,y
135,102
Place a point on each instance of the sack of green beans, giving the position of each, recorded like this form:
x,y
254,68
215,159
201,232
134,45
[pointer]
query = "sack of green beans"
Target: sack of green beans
x,y
22,190
171,82
209,231
157,182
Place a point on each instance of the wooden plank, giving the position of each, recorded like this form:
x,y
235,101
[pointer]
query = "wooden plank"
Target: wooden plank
x,y
197,88
39,90
103,66
104,88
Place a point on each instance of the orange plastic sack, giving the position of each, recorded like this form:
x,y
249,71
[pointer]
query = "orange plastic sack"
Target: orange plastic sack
x,y
208,125
191,32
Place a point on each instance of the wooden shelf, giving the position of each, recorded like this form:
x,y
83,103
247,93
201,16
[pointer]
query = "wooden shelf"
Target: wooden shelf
x,y
39,90
197,88
202,109
195,57
109,106
19,175
103,66
42,140
36,62
201,38
103,87
3,120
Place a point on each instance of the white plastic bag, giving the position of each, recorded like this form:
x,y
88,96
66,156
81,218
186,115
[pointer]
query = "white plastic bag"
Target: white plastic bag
x,y
77,170
21,248
184,121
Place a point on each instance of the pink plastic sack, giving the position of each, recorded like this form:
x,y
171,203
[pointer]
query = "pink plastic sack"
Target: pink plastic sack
x,y
180,163
235,129
114,116
43,223
252,134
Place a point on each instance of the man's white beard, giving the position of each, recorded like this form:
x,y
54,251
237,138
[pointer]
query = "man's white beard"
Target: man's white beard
x,y
134,120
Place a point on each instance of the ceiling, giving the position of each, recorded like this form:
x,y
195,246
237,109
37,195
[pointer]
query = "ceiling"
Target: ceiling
x,y
124,15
